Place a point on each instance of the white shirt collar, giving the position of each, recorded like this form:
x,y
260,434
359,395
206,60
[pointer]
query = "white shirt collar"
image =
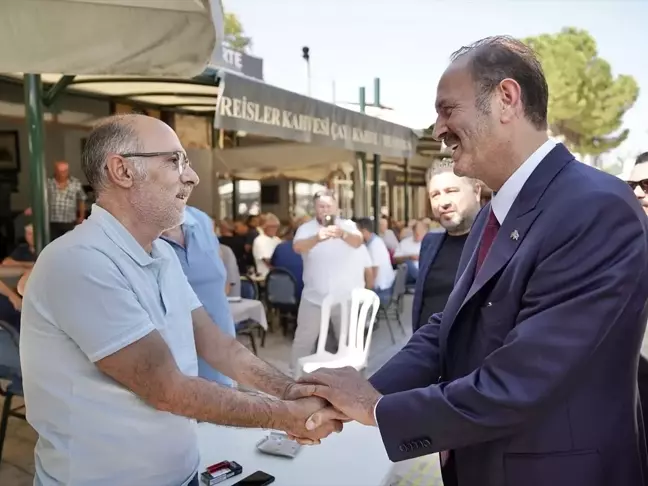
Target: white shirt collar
x,y
505,197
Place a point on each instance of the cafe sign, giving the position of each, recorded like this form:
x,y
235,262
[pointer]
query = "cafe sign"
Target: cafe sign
x,y
226,58
249,106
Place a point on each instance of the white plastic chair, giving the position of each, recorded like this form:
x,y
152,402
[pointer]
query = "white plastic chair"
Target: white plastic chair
x,y
353,346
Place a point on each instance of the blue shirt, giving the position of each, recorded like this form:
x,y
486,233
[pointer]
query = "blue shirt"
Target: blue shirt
x,y
204,268
92,292
286,257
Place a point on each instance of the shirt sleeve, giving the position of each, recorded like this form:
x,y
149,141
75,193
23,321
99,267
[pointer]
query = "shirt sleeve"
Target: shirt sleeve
x,y
350,227
192,298
257,248
91,301
374,254
230,265
22,254
399,250
304,231
366,257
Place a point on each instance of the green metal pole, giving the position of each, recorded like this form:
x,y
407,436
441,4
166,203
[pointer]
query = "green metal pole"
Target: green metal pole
x,y
235,198
376,191
363,156
37,174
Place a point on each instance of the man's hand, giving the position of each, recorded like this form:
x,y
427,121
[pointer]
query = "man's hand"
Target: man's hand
x,y
298,414
335,231
16,301
296,390
324,234
346,389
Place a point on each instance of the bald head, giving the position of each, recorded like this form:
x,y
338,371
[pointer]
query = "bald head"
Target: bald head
x,y
61,170
121,134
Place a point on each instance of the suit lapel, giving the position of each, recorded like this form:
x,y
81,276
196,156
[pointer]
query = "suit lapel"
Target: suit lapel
x,y
514,228
509,237
430,255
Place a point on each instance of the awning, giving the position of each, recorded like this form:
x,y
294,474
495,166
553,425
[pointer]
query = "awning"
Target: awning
x,y
168,92
152,37
289,160
246,105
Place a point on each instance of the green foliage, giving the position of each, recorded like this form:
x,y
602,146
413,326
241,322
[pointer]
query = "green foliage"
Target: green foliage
x,y
234,35
586,102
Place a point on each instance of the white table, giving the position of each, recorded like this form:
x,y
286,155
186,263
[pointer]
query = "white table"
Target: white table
x,y
354,457
249,309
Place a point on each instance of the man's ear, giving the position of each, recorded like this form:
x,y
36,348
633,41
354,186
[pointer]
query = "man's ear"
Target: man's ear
x,y
478,190
120,172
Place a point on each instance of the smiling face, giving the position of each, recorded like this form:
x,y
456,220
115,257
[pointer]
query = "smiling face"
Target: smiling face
x,y
464,123
455,201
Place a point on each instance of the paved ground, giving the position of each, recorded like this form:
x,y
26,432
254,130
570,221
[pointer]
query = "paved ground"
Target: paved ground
x,y
17,466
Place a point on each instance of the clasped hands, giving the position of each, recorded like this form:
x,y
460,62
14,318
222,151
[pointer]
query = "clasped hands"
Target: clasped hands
x,y
329,398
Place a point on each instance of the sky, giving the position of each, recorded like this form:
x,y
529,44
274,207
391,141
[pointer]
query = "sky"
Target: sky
x,y
407,44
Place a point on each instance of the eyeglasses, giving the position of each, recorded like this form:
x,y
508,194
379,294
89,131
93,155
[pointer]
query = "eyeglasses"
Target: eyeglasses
x,y
181,159
642,183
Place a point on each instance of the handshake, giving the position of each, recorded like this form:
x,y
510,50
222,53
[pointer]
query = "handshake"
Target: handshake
x,y
320,403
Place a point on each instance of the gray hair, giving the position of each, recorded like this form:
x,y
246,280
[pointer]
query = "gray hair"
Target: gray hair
x,y
111,135
496,58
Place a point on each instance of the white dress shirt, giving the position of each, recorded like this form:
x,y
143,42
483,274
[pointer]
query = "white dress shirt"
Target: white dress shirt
x,y
504,198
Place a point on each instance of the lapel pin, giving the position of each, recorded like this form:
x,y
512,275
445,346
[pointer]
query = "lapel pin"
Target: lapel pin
x,y
515,235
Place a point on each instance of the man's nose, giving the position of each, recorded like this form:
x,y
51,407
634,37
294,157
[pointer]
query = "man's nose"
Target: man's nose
x,y
440,129
639,192
189,176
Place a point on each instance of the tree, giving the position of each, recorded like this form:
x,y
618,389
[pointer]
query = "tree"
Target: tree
x,y
234,35
586,102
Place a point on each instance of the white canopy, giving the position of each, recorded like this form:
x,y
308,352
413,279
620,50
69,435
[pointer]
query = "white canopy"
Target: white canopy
x,y
139,37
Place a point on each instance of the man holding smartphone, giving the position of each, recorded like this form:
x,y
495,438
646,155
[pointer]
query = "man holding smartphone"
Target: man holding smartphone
x,y
329,246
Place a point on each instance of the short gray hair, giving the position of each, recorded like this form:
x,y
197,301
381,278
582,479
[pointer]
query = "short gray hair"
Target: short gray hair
x,y
111,135
496,58
441,167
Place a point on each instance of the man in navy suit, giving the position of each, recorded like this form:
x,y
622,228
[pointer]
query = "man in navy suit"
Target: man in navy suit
x,y
529,376
455,202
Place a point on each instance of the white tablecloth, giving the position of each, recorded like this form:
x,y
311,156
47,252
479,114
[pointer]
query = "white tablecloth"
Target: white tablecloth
x,y
355,457
249,309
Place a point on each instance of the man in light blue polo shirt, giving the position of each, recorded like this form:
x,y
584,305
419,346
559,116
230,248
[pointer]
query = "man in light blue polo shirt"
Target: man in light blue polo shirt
x,y
198,250
111,332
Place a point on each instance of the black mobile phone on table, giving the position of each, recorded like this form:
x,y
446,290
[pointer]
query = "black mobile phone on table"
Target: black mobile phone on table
x,y
258,478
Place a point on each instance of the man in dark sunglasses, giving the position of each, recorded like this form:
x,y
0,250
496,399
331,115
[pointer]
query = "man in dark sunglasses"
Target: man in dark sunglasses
x,y
638,180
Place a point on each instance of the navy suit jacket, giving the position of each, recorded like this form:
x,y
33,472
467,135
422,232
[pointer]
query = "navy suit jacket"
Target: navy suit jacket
x,y
429,249
530,374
